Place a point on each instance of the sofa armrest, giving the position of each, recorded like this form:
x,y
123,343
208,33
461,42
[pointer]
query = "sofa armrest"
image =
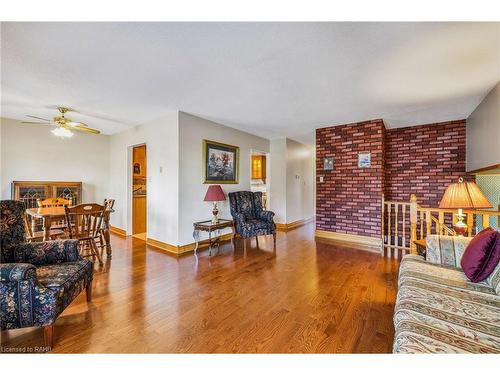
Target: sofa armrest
x,y
15,272
446,250
48,252
24,302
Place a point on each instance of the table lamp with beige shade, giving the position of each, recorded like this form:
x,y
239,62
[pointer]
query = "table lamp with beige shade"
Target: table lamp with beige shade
x,y
463,195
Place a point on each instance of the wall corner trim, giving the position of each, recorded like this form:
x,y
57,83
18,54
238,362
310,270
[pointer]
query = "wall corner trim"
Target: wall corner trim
x,y
182,249
296,224
351,240
118,231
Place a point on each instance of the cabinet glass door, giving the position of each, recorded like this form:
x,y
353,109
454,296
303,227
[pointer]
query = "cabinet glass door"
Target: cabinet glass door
x,y
30,194
68,192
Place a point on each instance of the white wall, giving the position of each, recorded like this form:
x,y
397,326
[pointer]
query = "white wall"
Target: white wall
x,y
299,181
174,145
32,152
1,158
278,179
483,132
292,180
192,131
161,139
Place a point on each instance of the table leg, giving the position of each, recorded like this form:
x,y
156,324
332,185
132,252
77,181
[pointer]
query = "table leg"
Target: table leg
x,y
209,243
47,221
106,235
218,241
196,236
33,225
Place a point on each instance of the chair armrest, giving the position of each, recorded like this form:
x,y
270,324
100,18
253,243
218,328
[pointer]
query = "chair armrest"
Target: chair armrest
x,y
266,215
14,272
446,250
48,252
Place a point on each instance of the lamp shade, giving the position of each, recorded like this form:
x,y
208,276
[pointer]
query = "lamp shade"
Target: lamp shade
x,y
464,195
214,194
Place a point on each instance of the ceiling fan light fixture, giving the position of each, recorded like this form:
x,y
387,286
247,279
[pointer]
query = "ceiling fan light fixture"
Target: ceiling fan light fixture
x,y
62,132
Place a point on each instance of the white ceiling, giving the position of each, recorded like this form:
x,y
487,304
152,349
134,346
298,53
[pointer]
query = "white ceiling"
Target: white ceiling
x,y
269,79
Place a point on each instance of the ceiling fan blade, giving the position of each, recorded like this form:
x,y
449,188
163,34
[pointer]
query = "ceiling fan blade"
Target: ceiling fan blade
x,y
35,122
85,129
39,118
76,123
64,107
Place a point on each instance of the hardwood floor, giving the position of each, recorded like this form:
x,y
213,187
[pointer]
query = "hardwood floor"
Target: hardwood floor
x,y
306,298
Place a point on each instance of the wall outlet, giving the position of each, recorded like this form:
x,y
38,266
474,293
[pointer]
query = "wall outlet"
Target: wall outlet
x,y
161,169
321,179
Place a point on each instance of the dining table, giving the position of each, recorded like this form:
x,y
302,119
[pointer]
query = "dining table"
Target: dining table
x,y
48,215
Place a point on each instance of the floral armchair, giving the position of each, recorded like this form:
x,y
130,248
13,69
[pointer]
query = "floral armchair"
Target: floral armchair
x,y
37,280
250,219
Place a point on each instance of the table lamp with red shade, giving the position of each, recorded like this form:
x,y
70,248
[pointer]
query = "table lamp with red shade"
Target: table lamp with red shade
x,y
462,195
215,194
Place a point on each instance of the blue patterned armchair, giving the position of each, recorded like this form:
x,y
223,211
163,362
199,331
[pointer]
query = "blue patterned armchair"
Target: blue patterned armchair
x,y
250,219
37,280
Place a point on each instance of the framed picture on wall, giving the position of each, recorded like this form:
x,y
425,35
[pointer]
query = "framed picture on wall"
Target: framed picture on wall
x,y
328,164
364,160
220,163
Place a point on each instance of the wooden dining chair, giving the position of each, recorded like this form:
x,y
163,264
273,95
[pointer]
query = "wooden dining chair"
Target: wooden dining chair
x,y
108,205
84,224
55,202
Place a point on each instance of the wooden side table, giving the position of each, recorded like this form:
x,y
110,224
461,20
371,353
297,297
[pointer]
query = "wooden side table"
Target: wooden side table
x,y
421,247
207,226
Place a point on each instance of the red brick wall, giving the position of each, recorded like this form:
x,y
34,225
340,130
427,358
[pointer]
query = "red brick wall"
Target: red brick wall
x,y
349,199
424,160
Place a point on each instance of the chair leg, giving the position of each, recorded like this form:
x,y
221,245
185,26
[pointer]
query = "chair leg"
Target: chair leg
x,y
244,244
257,241
87,249
96,251
274,240
88,291
48,335
233,239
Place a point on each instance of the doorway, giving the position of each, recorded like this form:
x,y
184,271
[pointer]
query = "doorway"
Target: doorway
x,y
139,189
259,176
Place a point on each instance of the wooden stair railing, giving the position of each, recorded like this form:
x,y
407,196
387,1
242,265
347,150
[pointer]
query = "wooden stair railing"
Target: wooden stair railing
x,y
395,225
405,222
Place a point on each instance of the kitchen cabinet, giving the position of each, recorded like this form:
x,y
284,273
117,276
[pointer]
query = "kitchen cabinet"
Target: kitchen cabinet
x,y
139,218
259,167
139,158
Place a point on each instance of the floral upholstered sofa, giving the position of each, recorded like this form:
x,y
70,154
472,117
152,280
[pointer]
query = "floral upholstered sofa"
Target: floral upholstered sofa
x,y
438,310
37,280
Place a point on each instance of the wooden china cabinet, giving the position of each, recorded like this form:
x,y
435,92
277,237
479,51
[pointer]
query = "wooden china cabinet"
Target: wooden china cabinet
x,y
30,191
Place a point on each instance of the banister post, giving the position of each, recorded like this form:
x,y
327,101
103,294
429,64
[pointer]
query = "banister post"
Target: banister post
x,y
413,223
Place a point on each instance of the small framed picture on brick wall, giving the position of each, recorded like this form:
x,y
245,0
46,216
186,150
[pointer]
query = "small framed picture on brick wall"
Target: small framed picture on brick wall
x,y
364,160
328,164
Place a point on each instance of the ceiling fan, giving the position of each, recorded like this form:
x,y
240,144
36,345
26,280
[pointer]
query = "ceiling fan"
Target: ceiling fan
x,y
64,124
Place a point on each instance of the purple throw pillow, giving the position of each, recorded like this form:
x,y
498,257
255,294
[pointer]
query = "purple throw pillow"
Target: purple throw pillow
x,y
481,255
